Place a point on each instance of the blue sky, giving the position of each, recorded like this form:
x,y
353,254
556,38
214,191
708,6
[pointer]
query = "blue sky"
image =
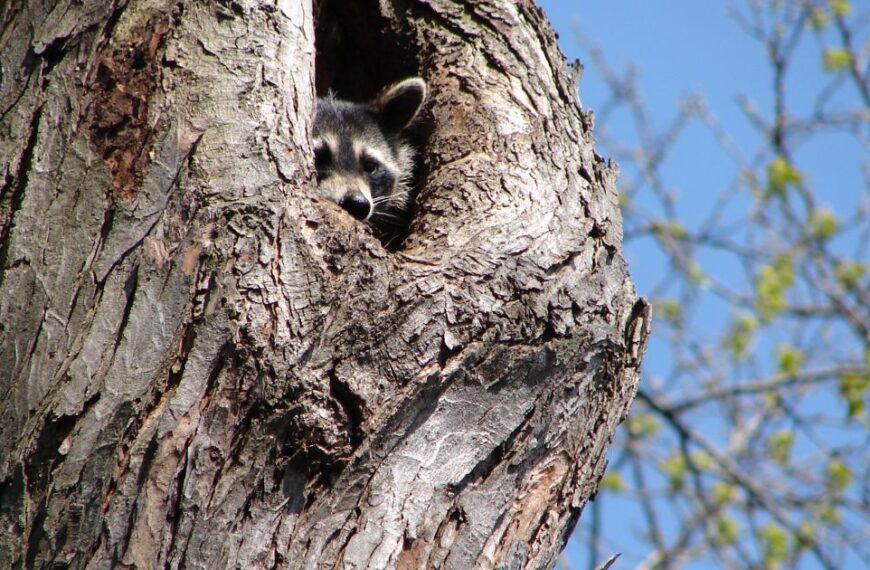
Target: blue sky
x,y
680,48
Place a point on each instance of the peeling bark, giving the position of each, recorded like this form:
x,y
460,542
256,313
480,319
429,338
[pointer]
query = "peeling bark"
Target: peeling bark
x,y
203,364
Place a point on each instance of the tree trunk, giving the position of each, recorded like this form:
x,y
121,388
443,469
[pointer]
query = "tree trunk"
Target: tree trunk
x,y
204,365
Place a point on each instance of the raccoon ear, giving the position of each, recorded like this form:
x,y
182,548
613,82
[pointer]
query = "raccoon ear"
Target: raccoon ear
x,y
399,103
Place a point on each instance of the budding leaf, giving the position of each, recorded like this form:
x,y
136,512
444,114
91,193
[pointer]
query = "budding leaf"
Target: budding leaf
x,y
723,493
671,311
834,59
675,469
727,530
805,536
612,481
840,7
771,285
853,387
849,274
775,541
779,444
838,475
830,514
781,174
789,359
823,224
818,18
741,334
642,425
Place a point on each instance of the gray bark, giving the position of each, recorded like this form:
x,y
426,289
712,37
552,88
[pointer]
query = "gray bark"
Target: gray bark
x,y
204,365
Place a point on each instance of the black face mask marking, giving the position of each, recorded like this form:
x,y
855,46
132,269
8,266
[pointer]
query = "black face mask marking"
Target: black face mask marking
x,y
362,161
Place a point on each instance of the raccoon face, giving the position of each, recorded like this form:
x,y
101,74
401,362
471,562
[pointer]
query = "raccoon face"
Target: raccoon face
x,y
362,161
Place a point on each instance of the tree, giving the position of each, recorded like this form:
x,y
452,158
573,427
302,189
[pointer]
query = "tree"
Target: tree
x,y
747,447
206,365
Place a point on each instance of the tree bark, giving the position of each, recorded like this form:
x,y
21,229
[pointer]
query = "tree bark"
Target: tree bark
x,y
204,365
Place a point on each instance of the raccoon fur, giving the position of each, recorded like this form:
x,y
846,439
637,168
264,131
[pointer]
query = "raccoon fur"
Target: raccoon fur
x,y
363,162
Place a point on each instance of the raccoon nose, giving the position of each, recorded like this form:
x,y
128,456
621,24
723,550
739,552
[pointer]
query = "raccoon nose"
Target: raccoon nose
x,y
356,204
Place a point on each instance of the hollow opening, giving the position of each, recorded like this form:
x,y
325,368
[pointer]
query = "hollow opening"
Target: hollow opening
x,y
359,52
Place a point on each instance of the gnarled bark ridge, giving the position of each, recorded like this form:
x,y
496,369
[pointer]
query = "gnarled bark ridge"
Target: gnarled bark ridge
x,y
206,365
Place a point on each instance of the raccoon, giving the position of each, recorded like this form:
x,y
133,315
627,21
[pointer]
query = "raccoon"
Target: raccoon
x,y
363,162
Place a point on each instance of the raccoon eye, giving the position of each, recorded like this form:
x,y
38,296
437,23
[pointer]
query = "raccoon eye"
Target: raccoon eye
x,y
369,164
322,157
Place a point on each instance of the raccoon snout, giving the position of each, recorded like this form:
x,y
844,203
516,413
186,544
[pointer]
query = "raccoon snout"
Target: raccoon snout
x,y
356,204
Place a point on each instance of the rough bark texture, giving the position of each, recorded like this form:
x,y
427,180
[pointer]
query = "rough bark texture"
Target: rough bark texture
x,y
203,365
